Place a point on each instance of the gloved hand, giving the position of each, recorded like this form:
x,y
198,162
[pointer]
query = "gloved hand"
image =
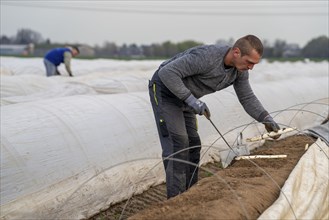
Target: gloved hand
x,y
271,125
198,106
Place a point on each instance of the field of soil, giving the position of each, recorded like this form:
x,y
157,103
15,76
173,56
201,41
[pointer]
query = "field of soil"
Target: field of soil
x,y
244,190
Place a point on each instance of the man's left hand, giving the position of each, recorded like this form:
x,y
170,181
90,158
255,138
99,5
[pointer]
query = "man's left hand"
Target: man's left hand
x,y
271,125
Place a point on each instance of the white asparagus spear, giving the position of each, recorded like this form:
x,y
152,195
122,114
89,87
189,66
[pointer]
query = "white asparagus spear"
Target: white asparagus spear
x,y
270,135
260,157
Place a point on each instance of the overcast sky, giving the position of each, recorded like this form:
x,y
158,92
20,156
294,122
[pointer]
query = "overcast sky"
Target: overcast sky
x,y
147,22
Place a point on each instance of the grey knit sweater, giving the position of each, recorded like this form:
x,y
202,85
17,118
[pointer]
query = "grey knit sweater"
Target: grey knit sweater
x,y
200,71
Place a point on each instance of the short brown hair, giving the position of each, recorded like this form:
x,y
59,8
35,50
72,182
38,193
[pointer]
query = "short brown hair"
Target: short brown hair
x,y
247,43
76,48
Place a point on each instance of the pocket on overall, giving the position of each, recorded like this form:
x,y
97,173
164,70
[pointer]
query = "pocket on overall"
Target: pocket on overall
x,y
163,128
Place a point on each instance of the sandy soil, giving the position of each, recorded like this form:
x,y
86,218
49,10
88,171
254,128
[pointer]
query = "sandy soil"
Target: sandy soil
x,y
242,191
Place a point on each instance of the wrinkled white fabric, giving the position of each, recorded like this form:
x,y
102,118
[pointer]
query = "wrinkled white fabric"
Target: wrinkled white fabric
x,y
67,150
305,194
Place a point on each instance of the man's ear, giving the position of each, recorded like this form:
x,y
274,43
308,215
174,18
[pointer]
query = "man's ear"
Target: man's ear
x,y
236,52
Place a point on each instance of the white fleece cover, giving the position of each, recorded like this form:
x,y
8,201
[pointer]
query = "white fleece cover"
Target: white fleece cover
x,y
24,79
70,157
305,194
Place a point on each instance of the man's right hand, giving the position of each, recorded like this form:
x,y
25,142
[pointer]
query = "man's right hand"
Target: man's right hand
x,y
198,106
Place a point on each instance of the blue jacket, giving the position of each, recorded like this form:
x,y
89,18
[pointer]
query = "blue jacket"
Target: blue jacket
x,y
56,56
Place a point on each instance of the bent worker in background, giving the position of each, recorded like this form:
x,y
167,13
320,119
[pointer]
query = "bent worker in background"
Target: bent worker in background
x,y
57,56
175,89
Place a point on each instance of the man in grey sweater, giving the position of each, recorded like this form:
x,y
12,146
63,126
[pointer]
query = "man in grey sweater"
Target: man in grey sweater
x,y
175,89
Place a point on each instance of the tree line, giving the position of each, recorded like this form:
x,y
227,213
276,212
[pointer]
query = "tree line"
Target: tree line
x,y
316,48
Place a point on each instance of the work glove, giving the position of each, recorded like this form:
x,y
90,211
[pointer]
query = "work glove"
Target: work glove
x,y
198,106
271,125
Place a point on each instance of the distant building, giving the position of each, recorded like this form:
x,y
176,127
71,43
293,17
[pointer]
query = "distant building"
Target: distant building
x,y
86,51
16,49
291,50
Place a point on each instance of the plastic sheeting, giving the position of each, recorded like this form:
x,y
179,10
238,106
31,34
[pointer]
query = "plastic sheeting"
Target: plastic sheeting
x,y
23,80
320,131
24,85
111,76
69,157
305,194
27,88
73,159
60,90
80,67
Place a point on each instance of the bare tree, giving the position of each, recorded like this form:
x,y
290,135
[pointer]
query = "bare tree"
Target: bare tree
x,y
26,36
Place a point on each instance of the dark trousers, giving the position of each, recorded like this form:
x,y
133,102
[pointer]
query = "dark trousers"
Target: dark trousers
x,y
180,141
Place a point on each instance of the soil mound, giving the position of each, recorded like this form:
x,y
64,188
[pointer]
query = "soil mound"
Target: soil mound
x,y
242,191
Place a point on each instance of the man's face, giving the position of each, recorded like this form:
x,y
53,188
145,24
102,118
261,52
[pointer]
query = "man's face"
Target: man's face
x,y
246,62
75,52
